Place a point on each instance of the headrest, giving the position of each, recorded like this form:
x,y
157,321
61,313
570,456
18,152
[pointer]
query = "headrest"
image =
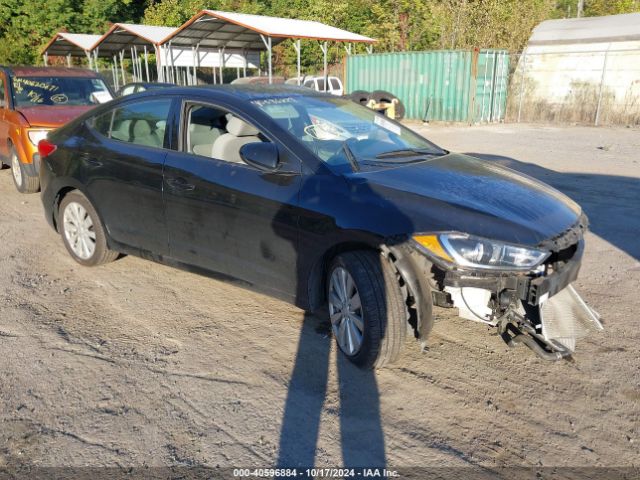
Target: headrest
x,y
240,128
141,128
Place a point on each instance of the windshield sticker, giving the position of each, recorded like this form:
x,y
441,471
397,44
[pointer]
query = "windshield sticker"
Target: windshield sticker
x,y
387,125
59,98
273,101
20,83
102,97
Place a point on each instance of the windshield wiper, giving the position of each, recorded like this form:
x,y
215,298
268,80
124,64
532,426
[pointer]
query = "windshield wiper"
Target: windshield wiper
x,y
410,152
350,156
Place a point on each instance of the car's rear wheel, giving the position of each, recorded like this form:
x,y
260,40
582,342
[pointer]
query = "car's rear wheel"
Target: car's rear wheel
x,y
366,308
24,182
82,232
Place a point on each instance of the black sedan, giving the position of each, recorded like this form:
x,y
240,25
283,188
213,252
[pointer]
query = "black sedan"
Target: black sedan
x,y
319,201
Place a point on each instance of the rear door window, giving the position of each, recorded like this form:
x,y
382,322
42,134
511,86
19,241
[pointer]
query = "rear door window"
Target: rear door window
x,y
141,123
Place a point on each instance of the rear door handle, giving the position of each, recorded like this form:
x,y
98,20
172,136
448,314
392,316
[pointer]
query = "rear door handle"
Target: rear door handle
x,y
180,184
90,160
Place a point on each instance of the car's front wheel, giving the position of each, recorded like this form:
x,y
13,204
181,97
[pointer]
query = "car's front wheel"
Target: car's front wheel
x,y
366,308
82,232
24,182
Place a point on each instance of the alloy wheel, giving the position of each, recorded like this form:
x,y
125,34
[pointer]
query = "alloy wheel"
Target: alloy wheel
x,y
345,311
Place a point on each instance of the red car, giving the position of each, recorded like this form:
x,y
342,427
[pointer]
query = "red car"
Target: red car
x,y
34,101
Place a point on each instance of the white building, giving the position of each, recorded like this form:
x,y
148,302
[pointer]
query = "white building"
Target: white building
x,y
581,69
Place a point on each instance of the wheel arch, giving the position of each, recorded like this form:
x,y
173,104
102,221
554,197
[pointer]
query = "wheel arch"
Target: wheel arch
x,y
316,281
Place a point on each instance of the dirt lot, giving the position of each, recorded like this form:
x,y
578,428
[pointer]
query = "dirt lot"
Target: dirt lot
x,y
135,363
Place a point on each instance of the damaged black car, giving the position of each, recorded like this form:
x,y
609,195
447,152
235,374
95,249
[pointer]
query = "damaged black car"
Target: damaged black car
x,y
324,203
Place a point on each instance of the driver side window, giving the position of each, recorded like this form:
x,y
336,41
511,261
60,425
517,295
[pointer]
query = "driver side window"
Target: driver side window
x,y
215,133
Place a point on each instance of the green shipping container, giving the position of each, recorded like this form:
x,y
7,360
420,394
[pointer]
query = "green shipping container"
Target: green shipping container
x,y
447,85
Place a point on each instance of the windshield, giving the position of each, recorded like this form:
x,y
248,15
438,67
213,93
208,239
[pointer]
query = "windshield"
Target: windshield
x,y
344,134
34,91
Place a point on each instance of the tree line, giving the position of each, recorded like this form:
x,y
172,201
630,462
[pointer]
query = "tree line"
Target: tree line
x,y
399,25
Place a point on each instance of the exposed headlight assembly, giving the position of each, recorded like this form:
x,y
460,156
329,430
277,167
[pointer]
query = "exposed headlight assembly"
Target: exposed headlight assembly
x,y
476,252
36,135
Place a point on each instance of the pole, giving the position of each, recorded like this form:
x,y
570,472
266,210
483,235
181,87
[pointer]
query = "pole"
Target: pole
x,y
45,57
267,43
133,65
114,77
244,63
297,47
197,62
159,71
270,60
221,55
124,78
604,72
524,69
324,48
69,60
173,74
146,62
95,58
90,59
116,83
193,63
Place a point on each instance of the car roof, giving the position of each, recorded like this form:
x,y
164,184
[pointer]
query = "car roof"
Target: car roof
x,y
243,92
30,71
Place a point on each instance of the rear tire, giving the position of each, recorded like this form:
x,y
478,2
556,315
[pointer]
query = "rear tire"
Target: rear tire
x,y
24,182
372,310
82,231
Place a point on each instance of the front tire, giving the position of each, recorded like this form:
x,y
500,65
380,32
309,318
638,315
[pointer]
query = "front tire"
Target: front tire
x,y
24,182
82,232
366,308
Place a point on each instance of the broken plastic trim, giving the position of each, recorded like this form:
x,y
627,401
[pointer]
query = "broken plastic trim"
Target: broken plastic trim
x,y
515,328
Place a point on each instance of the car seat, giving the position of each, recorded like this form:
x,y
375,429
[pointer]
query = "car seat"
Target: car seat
x,y
142,133
239,133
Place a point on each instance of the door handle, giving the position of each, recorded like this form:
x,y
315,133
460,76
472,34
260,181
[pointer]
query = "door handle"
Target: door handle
x,y
86,157
180,184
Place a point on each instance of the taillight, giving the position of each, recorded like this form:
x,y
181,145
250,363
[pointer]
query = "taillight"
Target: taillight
x,y
46,148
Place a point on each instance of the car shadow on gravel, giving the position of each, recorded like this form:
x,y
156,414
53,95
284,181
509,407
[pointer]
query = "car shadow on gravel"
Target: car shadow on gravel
x,y
611,202
361,435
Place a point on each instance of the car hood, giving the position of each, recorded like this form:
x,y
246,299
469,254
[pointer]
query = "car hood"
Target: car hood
x,y
52,116
461,193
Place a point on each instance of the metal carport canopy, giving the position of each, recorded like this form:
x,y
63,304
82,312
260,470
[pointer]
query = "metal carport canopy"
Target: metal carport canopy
x,y
222,30
212,28
74,44
124,39
123,36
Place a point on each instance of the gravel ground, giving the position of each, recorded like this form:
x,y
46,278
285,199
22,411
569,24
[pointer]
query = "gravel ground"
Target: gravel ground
x,y
139,364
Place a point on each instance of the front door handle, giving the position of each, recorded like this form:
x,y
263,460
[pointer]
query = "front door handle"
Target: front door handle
x,y
179,183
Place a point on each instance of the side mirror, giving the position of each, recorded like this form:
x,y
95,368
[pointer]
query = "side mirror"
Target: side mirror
x,y
262,155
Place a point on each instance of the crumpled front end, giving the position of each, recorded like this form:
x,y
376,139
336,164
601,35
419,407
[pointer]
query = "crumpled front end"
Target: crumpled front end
x,y
539,308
